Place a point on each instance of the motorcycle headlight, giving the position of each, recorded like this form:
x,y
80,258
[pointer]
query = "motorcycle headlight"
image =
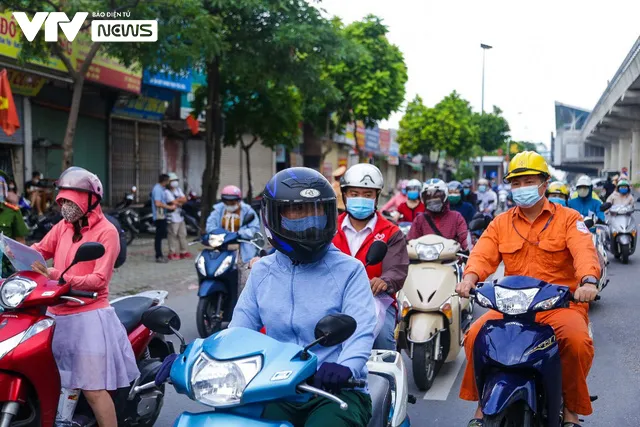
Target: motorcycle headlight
x,y
429,252
215,240
226,263
514,301
546,304
14,291
200,265
222,383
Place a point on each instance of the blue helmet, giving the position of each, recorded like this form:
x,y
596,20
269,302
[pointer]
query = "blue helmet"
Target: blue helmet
x,y
454,185
300,213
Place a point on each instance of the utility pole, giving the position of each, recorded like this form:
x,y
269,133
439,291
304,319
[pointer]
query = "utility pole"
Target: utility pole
x,y
484,47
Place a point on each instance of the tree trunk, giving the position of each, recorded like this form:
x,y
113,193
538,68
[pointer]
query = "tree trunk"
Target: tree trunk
x,y
247,149
311,147
213,141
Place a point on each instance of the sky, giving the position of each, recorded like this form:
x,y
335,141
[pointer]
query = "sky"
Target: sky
x,y
543,51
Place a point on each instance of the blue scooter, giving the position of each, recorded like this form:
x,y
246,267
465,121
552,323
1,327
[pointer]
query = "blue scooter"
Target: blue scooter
x,y
517,360
217,268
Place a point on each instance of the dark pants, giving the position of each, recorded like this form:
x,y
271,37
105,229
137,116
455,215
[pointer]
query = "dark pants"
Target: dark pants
x,y
161,233
321,412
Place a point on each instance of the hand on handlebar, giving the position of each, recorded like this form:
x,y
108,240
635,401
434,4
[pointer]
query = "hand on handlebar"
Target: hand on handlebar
x,y
585,293
464,288
165,369
332,377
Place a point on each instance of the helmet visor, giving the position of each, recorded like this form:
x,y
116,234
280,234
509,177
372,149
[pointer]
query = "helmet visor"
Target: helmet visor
x,y
313,221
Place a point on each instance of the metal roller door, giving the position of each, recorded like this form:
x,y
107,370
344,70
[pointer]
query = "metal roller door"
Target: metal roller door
x,y
149,160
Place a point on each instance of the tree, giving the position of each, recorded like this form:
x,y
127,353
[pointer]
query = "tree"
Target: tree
x,y
452,128
412,136
176,17
493,130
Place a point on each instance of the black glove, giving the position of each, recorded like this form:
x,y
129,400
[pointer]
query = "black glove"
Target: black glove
x,y
165,369
332,377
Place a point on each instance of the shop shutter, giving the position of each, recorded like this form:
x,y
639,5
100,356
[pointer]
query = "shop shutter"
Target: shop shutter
x,y
18,137
149,135
196,161
123,158
262,168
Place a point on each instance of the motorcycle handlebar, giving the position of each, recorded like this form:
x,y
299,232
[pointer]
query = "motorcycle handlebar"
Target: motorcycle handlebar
x,y
82,294
473,292
357,383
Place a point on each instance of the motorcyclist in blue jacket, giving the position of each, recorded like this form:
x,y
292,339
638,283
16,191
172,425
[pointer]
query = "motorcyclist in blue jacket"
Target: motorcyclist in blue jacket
x,y
585,203
306,279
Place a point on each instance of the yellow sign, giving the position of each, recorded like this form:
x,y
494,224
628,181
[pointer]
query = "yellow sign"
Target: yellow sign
x,y
514,149
25,84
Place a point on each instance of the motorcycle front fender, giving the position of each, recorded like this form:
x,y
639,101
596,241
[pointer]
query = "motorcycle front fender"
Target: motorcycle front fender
x,y
424,326
209,287
221,419
503,389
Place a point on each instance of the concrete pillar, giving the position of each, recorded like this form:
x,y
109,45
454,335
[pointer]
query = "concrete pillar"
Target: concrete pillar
x,y
614,164
635,157
607,156
624,156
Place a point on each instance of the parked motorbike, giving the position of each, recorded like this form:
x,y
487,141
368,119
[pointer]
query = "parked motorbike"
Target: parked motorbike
x,y
30,391
127,217
598,234
433,321
260,370
517,360
621,236
217,268
192,211
44,224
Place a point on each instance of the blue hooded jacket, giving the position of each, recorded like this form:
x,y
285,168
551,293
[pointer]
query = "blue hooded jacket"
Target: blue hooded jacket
x,y
465,209
289,300
247,250
587,206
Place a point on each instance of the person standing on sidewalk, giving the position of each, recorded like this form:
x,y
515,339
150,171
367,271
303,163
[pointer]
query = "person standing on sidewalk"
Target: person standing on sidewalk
x,y
177,230
337,175
159,206
11,223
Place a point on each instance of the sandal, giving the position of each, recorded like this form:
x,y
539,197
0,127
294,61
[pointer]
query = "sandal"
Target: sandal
x,y
476,422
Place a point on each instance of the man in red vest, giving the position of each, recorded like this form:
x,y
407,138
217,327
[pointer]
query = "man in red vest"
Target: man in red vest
x,y
358,228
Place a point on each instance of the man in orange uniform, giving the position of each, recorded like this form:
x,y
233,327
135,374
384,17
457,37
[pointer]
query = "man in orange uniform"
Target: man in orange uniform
x,y
549,242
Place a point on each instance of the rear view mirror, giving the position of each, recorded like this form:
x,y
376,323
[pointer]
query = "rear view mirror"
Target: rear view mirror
x,y
161,319
335,329
247,219
376,253
605,207
258,239
88,252
589,222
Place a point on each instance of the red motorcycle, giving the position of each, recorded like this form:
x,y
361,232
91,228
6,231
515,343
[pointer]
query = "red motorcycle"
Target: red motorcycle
x,y
30,390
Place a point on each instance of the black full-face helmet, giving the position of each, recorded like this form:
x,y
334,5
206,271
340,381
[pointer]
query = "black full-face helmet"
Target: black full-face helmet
x,y
299,211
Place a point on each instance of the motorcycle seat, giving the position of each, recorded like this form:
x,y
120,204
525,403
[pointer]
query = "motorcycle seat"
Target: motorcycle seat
x,y
380,392
130,311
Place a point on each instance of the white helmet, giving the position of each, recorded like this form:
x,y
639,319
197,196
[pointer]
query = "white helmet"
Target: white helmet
x,y
584,181
414,183
483,181
433,186
363,175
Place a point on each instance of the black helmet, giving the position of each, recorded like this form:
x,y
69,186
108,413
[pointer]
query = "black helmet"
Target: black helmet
x,y
306,192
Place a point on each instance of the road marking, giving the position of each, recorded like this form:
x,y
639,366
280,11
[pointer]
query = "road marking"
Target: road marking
x,y
446,378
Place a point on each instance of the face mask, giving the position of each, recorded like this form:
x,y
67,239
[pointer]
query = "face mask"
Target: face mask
x,y
231,208
558,200
455,198
413,194
361,207
526,196
71,212
303,224
12,188
404,191
174,184
583,192
623,190
466,191
434,205
482,188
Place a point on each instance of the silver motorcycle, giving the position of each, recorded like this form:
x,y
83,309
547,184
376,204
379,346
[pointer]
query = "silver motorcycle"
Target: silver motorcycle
x,y
621,237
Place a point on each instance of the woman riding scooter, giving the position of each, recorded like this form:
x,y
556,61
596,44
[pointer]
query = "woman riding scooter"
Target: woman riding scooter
x,y
413,206
90,344
622,195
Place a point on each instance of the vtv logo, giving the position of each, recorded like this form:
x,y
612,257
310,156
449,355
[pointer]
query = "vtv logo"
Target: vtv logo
x,y
30,29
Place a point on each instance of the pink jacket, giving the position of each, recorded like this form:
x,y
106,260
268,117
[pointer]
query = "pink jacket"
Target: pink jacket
x,y
91,276
394,202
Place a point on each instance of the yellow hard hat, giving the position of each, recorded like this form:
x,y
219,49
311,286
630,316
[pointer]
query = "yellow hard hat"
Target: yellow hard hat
x,y
527,163
558,187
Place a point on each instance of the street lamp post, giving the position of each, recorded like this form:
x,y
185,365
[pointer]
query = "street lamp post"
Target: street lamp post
x,y
484,47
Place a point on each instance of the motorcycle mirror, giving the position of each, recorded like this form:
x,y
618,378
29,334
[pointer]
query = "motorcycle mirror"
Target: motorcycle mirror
x,y
330,331
248,219
589,222
86,252
376,253
163,320
605,206
258,239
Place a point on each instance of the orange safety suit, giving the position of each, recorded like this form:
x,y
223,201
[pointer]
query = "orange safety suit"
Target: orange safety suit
x,y
557,247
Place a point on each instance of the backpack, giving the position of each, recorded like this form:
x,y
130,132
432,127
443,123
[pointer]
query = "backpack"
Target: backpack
x,y
122,256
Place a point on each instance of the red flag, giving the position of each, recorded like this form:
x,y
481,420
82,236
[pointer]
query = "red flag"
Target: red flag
x,y
193,124
8,114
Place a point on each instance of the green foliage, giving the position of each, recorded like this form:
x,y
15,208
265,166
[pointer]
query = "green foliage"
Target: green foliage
x,y
493,130
412,135
465,170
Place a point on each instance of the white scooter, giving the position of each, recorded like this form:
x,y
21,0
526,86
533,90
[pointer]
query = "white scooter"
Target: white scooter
x,y
433,321
599,236
621,236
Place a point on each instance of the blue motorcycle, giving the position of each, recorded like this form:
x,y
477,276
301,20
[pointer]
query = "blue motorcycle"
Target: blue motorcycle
x,y
517,360
217,268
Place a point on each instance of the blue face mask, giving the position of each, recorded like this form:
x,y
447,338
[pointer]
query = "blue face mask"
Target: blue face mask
x,y
558,200
413,194
303,224
466,191
526,196
361,207
623,190
404,191
482,188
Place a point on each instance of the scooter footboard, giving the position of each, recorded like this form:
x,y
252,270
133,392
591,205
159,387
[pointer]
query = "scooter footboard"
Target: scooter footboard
x,y
502,389
206,419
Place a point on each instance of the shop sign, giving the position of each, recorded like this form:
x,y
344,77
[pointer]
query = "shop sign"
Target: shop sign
x,y
25,84
372,139
168,80
385,141
142,107
360,134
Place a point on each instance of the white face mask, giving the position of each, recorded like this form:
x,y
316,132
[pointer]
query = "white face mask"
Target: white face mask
x,y
231,208
174,184
583,192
